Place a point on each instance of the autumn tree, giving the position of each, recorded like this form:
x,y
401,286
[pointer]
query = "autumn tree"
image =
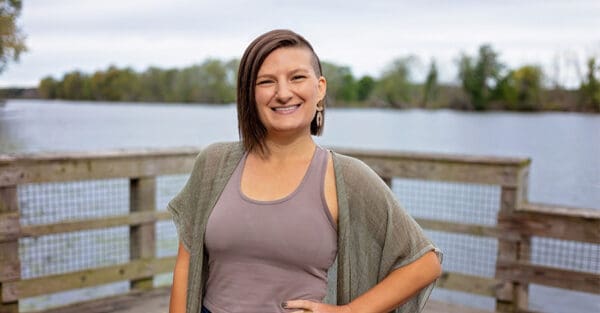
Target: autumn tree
x,y
12,39
520,89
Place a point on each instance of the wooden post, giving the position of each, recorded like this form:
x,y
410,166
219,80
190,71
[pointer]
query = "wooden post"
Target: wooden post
x,y
142,238
512,296
10,265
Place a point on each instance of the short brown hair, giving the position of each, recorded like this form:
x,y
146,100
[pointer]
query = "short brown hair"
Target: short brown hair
x,y
251,130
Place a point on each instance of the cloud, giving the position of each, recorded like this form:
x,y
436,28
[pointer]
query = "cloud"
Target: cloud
x,y
64,35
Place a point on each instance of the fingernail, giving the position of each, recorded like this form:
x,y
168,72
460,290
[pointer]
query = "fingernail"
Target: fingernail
x,y
284,305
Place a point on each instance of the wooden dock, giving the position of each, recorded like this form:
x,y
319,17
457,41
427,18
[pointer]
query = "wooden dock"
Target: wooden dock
x,y
516,224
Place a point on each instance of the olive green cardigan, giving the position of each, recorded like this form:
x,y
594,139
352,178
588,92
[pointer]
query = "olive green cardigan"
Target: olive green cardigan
x,y
375,234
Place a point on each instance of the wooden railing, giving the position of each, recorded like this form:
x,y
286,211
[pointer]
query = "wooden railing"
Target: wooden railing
x,y
517,221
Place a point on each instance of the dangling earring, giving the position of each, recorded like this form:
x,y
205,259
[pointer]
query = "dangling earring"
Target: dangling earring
x,y
319,116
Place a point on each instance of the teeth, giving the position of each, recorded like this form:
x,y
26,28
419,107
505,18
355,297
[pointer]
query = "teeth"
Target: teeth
x,y
286,109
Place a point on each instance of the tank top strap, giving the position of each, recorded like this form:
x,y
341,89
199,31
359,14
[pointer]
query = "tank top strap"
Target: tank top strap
x,y
239,170
322,169
315,178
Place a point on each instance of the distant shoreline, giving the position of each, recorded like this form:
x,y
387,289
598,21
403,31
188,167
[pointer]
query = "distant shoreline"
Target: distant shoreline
x,y
19,93
340,106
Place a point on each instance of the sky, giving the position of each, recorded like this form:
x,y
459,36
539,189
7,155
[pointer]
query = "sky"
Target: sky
x,y
91,35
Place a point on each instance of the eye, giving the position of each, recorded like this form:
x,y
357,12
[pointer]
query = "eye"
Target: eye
x,y
298,77
264,82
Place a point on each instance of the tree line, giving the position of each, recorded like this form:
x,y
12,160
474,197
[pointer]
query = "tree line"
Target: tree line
x,y
485,84
213,81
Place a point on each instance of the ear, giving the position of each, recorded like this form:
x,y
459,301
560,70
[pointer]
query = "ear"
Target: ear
x,y
322,85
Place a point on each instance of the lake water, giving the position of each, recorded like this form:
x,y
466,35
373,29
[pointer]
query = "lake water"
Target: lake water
x,y
564,147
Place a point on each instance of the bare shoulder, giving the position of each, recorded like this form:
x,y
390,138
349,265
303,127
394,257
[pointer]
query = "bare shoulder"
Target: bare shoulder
x,y
330,188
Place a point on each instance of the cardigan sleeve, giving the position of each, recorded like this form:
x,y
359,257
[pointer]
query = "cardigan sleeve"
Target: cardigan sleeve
x,y
404,243
184,205
383,235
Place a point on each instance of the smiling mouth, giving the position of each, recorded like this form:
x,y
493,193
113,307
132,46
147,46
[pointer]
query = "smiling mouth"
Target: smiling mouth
x,y
286,109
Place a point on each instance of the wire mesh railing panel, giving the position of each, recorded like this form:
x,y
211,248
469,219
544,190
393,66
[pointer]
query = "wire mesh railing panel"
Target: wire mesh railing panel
x,y
167,187
47,203
166,235
449,201
463,298
69,252
557,300
565,254
459,203
166,239
466,254
59,299
162,280
167,242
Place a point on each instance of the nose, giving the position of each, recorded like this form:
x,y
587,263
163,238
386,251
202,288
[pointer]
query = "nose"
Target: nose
x,y
283,93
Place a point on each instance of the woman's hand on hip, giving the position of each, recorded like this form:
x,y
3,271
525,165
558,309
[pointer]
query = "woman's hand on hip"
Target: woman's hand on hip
x,y
305,306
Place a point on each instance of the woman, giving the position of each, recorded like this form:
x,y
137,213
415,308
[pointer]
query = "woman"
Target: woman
x,y
276,223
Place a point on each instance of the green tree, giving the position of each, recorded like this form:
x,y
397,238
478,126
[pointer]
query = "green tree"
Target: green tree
x,y
12,39
210,82
231,68
48,88
590,87
341,85
75,86
113,84
100,86
348,91
430,87
520,89
506,91
215,83
157,85
185,85
529,85
394,87
97,86
479,76
364,87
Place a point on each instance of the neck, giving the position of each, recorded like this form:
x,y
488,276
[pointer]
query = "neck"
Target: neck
x,y
286,147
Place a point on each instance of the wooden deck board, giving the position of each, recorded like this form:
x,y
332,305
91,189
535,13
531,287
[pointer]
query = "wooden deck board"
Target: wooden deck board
x,y
157,301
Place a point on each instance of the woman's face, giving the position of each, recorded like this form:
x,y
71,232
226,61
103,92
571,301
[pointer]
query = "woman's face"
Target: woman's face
x,y
287,91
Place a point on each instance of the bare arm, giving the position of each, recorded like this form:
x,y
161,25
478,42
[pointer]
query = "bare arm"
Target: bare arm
x,y
399,286
394,290
180,278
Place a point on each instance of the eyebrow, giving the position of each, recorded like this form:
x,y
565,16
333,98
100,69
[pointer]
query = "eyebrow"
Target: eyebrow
x,y
298,70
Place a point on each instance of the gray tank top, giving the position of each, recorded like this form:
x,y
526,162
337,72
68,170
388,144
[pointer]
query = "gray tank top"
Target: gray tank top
x,y
261,253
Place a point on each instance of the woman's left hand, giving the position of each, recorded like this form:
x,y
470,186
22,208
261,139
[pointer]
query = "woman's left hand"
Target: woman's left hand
x,y
305,306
